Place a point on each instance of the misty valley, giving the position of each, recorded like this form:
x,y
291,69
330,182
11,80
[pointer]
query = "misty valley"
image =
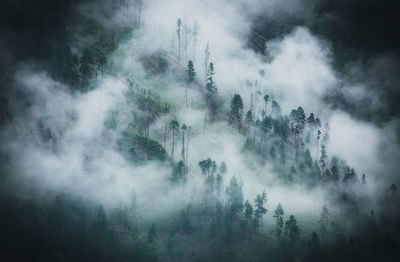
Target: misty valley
x,y
150,130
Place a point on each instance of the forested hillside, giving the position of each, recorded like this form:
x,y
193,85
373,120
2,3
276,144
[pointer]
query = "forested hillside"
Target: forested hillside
x,y
136,130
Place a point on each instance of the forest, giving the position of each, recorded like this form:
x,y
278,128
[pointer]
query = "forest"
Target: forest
x,y
149,130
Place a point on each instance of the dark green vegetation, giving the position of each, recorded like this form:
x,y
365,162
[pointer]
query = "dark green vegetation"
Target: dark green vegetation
x,y
214,222
363,36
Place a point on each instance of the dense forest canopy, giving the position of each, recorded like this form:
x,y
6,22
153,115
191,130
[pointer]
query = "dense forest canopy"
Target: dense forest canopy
x,y
149,130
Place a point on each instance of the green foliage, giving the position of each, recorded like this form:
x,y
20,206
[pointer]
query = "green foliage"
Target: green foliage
x,y
249,118
276,109
324,221
235,196
298,119
278,215
205,166
248,212
259,202
191,72
236,110
222,168
292,231
155,63
350,176
178,174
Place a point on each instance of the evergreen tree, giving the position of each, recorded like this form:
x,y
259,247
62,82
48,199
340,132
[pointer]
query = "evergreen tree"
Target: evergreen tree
x,y
266,124
179,172
219,183
266,100
248,212
236,110
249,119
178,32
70,72
214,167
278,215
299,119
259,202
276,109
101,60
205,166
174,125
311,120
191,72
314,249
323,157
152,233
235,196
324,221
350,176
211,93
335,170
86,68
292,230
222,168
183,155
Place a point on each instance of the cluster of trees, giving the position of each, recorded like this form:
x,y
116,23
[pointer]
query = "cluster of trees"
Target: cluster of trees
x,y
214,223
190,39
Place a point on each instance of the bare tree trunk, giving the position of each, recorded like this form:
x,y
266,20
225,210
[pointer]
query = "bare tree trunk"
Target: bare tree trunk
x,y
183,146
173,144
165,137
187,147
206,110
186,96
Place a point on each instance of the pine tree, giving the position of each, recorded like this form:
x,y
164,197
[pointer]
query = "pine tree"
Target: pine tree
x,y
222,168
191,72
179,172
174,125
299,119
324,221
276,109
334,170
86,68
248,212
206,58
278,215
211,93
235,196
183,155
152,233
248,119
205,166
219,183
266,100
178,32
259,202
292,230
350,176
314,248
236,110
323,157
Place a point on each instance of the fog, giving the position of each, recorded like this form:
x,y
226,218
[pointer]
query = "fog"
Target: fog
x,y
84,160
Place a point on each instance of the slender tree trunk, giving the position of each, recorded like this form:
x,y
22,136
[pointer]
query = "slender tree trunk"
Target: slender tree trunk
x,y
173,144
165,137
183,146
206,110
187,147
186,95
